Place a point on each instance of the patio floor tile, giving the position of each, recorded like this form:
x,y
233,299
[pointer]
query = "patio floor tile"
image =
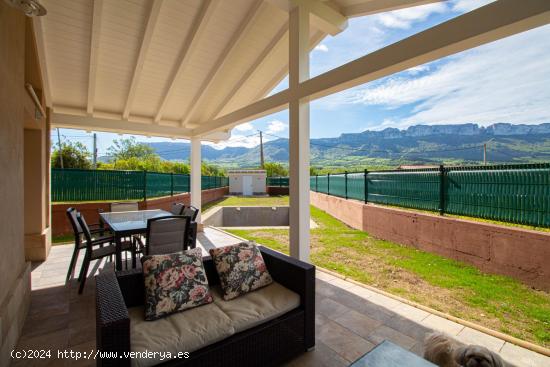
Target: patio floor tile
x,y
358,323
522,357
443,325
386,333
410,312
471,336
344,342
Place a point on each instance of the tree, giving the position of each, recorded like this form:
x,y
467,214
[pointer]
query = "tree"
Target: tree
x,y
275,169
75,155
123,149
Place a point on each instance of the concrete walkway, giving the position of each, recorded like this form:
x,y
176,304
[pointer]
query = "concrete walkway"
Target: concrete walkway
x,y
407,322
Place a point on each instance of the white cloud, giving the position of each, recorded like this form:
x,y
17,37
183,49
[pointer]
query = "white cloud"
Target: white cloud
x,y
404,18
464,6
321,47
505,81
251,140
247,126
418,69
276,126
237,141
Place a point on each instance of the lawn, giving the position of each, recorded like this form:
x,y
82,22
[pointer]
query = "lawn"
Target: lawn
x,y
498,302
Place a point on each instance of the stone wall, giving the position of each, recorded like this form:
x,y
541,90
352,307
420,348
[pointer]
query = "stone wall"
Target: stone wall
x,y
520,253
61,225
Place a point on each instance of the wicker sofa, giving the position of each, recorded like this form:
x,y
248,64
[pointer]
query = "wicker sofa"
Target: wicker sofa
x,y
268,343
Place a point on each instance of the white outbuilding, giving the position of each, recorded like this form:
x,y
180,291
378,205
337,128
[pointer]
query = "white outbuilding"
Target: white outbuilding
x,y
247,182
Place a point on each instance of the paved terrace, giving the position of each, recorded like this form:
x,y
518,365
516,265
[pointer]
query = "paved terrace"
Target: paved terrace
x,y
350,319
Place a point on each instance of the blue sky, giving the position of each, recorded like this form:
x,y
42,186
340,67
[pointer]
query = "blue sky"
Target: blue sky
x,y
504,81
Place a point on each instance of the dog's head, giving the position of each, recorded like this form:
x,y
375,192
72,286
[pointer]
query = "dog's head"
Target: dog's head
x,y
477,356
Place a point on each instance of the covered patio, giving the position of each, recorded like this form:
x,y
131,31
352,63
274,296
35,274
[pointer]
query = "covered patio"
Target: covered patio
x,y
194,70
350,318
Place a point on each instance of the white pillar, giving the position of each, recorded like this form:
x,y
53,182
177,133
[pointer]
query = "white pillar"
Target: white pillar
x,y
196,175
299,134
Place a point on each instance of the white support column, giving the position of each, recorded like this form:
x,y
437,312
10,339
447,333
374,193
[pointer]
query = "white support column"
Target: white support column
x,y
299,134
196,175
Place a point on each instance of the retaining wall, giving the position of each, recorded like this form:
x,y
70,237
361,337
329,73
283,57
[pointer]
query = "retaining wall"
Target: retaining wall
x,y
61,225
520,253
277,190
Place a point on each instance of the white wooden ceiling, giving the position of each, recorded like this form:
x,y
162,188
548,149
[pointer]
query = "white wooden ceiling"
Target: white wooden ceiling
x,y
164,67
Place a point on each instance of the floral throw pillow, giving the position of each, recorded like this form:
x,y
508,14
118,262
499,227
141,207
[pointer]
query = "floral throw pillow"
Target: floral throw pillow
x,y
174,282
241,269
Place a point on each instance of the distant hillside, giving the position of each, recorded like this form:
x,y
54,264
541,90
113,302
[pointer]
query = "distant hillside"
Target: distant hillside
x,y
417,144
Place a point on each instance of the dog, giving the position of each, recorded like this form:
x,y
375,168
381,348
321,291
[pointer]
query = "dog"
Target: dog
x,y
445,352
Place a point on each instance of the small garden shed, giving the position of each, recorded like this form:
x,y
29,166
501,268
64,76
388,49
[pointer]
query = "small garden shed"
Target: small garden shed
x,y
247,182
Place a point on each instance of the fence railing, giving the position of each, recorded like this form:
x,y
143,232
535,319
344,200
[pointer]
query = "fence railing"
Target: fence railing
x,y
508,193
106,185
276,181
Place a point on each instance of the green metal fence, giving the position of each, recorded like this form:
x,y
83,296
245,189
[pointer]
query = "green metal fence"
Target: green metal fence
x,y
276,181
509,193
101,185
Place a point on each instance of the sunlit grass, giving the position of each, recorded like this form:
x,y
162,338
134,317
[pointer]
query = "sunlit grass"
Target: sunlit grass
x,y
495,301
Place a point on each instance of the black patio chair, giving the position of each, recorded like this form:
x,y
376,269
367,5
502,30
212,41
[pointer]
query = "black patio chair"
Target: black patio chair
x,y
165,235
190,211
177,208
96,253
97,230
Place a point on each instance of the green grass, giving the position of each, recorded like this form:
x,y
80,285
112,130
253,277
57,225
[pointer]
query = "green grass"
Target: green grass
x,y
57,240
495,301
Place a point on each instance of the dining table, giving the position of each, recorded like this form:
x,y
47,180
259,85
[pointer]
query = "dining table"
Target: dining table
x,y
125,224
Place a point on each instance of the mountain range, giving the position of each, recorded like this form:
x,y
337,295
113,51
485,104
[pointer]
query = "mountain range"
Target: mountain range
x,y
419,144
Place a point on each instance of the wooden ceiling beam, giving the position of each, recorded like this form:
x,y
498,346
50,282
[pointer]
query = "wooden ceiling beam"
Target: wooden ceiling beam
x,y
38,28
143,50
227,53
279,37
380,6
191,42
94,54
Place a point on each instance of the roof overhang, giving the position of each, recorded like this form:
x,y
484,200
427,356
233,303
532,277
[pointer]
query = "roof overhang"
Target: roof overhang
x,y
172,68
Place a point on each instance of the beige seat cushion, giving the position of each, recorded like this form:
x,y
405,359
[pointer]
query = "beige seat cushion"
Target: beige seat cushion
x,y
181,332
259,306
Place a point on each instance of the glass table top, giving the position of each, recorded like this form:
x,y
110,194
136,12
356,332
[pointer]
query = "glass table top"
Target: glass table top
x,y
131,221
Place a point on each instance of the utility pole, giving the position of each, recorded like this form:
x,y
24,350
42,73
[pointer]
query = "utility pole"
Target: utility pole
x,y
261,151
485,150
60,148
95,152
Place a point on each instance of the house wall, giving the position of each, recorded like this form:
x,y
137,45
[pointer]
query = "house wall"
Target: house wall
x,y
519,253
61,225
15,271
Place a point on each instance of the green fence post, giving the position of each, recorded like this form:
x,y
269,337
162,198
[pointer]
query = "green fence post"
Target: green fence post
x,y
280,182
441,189
171,183
316,183
328,183
366,188
145,185
346,184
